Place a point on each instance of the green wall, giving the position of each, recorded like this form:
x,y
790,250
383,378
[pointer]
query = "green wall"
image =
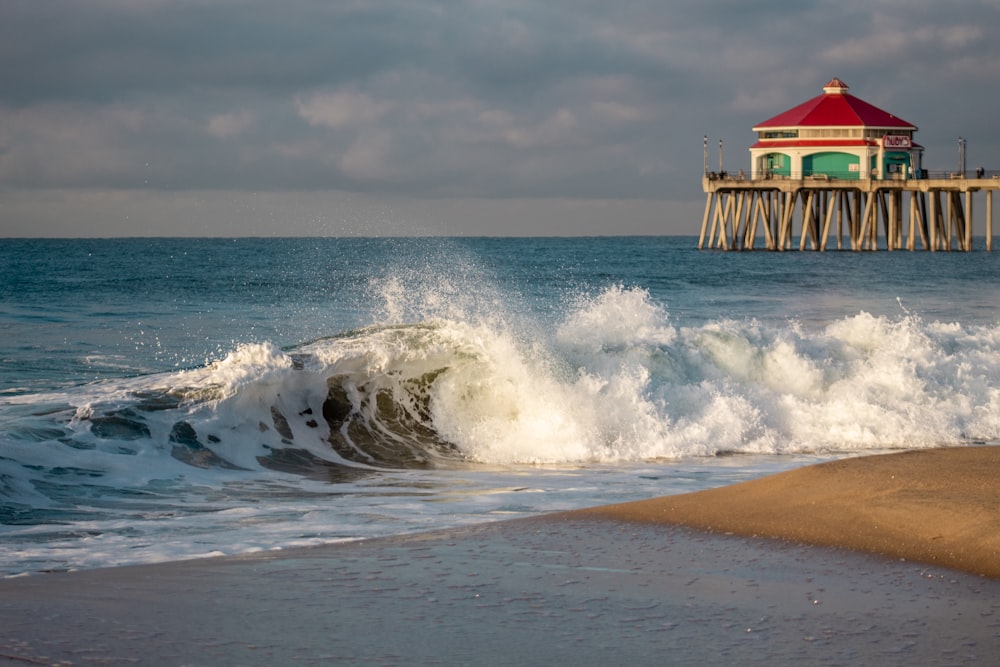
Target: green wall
x,y
896,163
836,165
779,164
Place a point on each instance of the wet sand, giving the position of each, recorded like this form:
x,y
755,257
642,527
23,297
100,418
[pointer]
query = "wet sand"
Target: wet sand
x,y
616,585
938,506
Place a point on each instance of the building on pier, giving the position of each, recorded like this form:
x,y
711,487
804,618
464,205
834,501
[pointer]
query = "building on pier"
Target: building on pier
x,y
836,134
836,170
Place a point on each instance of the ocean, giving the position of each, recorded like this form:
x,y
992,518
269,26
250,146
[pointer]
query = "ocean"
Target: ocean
x,y
164,399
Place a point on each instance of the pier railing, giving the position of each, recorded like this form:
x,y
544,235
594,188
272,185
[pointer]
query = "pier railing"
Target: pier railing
x,y
922,174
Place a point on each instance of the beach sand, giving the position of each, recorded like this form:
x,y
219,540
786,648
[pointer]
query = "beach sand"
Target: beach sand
x,y
939,506
615,585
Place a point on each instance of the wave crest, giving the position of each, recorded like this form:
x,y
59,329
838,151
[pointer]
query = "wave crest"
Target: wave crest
x,y
615,381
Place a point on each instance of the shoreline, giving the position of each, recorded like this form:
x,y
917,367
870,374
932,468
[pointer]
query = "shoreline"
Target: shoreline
x,y
935,506
620,584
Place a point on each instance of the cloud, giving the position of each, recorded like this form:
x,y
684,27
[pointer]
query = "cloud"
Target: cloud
x,y
68,144
488,99
229,124
503,127
341,109
368,157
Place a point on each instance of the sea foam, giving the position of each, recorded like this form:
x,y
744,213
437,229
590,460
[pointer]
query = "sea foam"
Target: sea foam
x,y
615,380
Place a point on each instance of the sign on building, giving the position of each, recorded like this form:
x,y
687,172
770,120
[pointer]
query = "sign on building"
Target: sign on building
x,y
896,141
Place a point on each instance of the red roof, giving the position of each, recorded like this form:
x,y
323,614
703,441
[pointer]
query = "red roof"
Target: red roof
x,y
835,108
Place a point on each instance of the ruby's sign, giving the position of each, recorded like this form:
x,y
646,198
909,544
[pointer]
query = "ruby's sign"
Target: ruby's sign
x,y
896,141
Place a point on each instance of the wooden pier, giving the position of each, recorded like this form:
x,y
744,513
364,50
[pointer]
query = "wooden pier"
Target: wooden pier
x,y
937,213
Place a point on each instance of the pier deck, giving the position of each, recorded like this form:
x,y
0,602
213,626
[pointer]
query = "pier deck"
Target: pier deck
x,y
854,214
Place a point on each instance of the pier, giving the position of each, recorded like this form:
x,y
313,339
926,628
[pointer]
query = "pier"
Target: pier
x,y
823,212
836,171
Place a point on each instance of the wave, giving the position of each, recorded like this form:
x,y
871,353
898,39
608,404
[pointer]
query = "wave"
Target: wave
x,y
615,380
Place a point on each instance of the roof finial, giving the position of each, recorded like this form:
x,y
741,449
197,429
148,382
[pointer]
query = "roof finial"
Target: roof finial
x,y
835,87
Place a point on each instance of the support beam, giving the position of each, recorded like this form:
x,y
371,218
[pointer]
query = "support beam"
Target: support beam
x,y
870,218
866,210
807,218
922,220
830,206
989,220
968,221
709,198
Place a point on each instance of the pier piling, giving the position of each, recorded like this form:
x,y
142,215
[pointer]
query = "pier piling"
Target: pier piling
x,y
939,213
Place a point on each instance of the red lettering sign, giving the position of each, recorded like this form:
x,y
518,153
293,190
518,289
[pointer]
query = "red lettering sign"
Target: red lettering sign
x,y
896,141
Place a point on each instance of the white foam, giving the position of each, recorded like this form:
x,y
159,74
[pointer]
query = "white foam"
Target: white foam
x,y
615,381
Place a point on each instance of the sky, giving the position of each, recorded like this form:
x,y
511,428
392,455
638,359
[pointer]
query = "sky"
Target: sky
x,y
445,117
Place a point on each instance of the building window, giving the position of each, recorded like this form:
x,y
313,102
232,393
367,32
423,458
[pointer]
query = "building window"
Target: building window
x,y
832,133
779,134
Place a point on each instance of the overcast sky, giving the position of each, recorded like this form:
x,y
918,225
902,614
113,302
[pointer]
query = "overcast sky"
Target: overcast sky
x,y
467,117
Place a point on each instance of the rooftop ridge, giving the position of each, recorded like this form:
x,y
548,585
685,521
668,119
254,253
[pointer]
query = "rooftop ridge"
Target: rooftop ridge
x,y
835,107
835,87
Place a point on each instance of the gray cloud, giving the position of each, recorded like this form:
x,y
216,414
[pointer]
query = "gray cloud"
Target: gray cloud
x,y
470,100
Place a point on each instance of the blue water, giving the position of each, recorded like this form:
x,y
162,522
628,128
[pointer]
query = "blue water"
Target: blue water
x,y
170,398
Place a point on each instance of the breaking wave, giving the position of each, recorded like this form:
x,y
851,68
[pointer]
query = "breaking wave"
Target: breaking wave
x,y
614,381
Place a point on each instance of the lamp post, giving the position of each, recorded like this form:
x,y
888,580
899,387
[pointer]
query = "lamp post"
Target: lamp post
x,y
706,154
961,157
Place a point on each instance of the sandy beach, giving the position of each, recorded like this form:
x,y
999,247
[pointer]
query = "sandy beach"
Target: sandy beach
x,y
939,506
675,580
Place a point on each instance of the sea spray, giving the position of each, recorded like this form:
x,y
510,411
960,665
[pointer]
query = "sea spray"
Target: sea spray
x,y
616,381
